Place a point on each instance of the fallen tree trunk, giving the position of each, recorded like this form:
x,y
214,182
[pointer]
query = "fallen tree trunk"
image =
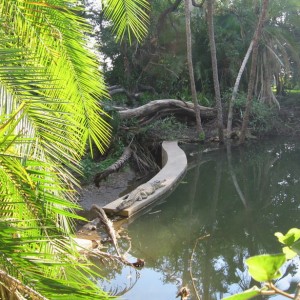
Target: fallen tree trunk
x,y
159,108
146,114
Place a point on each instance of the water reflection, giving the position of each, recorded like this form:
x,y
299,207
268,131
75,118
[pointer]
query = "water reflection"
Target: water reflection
x,y
239,196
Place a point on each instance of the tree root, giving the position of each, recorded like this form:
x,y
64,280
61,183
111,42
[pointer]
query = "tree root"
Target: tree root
x,y
114,167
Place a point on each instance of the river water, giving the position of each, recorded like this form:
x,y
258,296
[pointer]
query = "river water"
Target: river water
x,y
226,208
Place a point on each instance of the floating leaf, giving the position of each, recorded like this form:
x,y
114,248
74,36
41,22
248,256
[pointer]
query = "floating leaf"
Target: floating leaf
x,y
254,291
265,267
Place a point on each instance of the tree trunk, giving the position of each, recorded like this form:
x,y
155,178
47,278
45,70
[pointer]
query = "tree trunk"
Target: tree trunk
x,y
191,69
213,52
256,38
158,108
235,89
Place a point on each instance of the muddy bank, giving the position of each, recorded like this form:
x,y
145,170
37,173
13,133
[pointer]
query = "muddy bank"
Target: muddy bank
x,y
115,186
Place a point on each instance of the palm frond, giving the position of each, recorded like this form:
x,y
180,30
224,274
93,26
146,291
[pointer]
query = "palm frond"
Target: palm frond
x,y
128,16
48,110
33,233
58,66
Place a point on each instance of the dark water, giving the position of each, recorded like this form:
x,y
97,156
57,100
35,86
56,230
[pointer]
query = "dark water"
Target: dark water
x,y
239,197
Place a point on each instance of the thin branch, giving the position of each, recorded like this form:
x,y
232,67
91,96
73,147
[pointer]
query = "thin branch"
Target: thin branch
x,y
297,293
278,291
114,167
108,226
162,65
112,234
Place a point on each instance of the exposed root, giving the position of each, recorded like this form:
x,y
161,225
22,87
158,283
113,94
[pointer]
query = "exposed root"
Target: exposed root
x,y
114,167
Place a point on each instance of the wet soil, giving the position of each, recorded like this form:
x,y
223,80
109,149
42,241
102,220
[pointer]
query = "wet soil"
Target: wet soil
x,y
116,185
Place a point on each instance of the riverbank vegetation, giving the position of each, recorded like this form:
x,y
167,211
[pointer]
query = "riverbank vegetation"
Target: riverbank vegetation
x,y
55,104
156,69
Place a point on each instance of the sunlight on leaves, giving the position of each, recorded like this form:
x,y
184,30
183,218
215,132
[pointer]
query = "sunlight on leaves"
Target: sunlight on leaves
x,y
291,236
265,267
129,17
289,253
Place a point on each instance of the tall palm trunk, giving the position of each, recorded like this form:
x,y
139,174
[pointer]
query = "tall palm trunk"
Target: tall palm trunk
x,y
191,69
256,38
235,89
213,52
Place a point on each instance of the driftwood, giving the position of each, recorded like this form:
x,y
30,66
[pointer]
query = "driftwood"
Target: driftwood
x,y
91,247
160,108
112,234
108,226
114,167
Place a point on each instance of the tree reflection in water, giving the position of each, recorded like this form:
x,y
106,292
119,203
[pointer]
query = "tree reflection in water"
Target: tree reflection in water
x,y
240,196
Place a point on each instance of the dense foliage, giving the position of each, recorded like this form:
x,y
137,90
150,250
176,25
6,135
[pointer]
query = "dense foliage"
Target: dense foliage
x,y
159,63
50,92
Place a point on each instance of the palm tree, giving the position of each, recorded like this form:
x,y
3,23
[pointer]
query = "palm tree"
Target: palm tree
x,y
191,69
213,52
235,90
50,91
130,18
278,54
256,37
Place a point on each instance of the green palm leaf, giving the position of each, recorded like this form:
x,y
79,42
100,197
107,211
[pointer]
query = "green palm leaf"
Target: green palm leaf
x,y
48,111
54,53
34,232
50,91
128,17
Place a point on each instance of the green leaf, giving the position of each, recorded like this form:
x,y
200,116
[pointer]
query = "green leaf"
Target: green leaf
x,y
128,16
265,267
254,291
296,247
50,89
291,236
289,253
